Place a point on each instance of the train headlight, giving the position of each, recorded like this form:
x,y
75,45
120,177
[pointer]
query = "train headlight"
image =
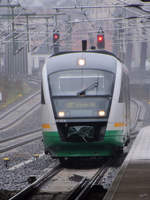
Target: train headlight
x,y
61,113
81,62
101,113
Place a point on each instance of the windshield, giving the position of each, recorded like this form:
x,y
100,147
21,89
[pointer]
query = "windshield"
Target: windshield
x,y
76,82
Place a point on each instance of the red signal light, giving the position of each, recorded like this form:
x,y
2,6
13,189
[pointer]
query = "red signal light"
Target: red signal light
x,y
100,38
55,37
100,41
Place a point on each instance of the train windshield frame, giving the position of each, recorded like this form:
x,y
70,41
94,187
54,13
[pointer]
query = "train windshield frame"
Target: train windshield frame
x,y
91,82
91,92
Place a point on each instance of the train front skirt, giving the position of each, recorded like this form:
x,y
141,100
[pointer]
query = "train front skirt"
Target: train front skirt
x,y
111,143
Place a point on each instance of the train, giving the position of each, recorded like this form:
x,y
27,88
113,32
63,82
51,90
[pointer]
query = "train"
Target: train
x,y
85,101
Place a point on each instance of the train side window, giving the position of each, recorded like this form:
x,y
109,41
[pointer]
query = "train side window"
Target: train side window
x,y
124,91
121,97
42,95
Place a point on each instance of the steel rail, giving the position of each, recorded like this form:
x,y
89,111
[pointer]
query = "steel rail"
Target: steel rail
x,y
81,191
35,185
77,190
20,117
21,135
91,183
15,145
18,105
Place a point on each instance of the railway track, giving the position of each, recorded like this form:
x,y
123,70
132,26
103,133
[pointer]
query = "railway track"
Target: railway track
x,y
18,112
13,142
137,115
86,186
56,183
26,192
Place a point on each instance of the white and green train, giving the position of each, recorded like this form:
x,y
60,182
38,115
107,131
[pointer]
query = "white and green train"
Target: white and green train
x,y
85,105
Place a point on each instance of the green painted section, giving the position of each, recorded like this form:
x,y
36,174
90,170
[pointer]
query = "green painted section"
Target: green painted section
x,y
59,148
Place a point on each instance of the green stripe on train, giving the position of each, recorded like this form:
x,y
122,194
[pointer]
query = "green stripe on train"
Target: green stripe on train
x,y
59,148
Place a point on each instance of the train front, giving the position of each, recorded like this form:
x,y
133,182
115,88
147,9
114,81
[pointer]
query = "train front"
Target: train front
x,y
80,89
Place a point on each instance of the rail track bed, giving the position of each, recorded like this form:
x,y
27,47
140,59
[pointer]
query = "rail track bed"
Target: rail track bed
x,y
12,143
18,112
69,183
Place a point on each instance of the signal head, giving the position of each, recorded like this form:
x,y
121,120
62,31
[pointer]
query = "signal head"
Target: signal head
x,y
100,41
55,37
100,38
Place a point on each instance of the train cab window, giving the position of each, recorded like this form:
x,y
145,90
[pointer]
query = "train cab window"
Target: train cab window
x,y
71,82
81,93
121,91
42,95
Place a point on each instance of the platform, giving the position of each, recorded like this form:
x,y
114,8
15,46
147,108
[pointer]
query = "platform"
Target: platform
x,y
133,179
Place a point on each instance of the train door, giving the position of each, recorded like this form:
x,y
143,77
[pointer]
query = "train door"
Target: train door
x,y
125,99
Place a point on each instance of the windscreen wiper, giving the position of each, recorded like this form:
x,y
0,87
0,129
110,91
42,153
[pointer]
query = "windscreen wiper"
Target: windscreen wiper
x,y
91,86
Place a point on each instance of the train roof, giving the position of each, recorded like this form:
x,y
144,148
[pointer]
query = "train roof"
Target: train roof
x,y
103,60
91,51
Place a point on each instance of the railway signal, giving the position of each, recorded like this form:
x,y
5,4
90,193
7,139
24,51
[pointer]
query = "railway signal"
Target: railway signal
x,y
84,45
100,41
55,37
